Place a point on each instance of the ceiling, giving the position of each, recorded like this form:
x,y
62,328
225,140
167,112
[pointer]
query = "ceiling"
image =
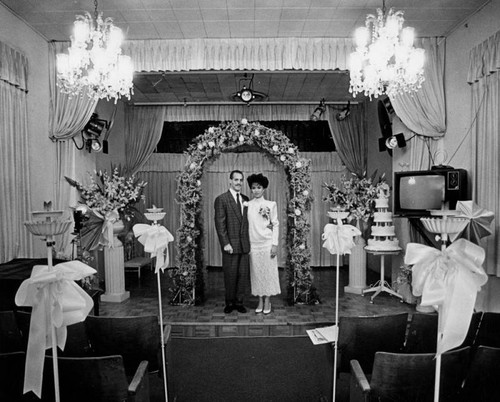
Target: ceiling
x,y
187,19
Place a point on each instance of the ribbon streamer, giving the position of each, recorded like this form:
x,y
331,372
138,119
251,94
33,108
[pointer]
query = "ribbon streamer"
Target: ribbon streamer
x,y
155,239
56,301
448,280
339,238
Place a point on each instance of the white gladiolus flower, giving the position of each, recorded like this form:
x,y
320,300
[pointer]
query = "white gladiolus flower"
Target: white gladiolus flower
x,y
275,148
298,212
211,130
298,165
244,121
211,144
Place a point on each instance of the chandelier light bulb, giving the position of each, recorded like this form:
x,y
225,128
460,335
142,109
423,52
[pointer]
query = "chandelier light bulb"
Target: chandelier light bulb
x,y
385,60
361,36
407,37
94,63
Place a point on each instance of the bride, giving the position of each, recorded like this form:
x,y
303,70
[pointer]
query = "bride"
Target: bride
x,y
263,229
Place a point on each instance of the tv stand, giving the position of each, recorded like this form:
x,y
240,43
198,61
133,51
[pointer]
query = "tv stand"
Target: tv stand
x,y
381,285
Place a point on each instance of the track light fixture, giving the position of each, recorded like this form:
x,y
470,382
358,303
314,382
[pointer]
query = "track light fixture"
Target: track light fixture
x,y
318,112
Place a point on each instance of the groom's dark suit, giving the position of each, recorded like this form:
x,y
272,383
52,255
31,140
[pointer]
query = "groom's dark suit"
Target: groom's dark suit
x,y
232,228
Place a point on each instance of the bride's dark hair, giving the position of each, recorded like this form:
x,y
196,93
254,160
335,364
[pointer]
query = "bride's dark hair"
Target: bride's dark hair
x,y
258,178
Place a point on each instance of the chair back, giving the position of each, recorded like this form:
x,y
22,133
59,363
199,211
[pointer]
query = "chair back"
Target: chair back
x,y
83,379
134,338
410,376
361,337
422,333
10,335
488,333
77,341
484,372
12,377
475,322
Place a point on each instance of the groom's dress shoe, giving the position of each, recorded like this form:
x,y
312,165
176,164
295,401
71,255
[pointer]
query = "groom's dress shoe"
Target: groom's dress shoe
x,y
240,308
228,309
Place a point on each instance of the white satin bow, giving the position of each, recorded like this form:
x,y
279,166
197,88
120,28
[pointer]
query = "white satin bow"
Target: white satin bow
x,y
155,239
448,280
339,238
107,227
56,301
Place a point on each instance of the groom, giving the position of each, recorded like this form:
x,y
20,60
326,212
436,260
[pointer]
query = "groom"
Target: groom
x,y
231,223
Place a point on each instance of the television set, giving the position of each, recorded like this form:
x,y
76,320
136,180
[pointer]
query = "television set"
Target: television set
x,y
417,192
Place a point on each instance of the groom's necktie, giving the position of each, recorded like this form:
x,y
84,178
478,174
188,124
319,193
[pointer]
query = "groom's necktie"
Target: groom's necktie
x,y
238,202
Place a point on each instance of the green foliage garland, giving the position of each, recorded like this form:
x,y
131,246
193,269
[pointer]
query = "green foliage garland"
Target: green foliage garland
x,y
209,146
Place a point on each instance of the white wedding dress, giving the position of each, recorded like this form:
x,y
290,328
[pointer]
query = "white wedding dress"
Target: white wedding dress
x,y
264,277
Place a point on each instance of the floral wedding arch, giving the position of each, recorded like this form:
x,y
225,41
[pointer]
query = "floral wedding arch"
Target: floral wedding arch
x,y
188,275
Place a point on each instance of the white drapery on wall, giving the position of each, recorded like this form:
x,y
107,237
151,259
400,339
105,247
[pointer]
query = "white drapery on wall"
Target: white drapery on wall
x,y
269,54
424,112
14,156
161,170
67,118
484,77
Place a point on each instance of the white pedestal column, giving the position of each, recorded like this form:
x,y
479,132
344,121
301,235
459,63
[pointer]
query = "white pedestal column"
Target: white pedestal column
x,y
357,267
114,274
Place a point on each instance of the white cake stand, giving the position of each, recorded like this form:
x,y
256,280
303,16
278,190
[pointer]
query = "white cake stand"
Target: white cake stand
x,y
445,224
382,285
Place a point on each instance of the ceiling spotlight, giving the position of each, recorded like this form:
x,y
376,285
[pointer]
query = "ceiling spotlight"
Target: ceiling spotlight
x,y
389,143
345,112
318,112
246,93
91,133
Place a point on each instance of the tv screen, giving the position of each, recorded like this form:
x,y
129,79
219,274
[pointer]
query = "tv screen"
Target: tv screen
x,y
417,192
421,192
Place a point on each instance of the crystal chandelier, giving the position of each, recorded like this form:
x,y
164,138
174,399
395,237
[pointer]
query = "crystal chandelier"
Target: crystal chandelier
x,y
94,61
385,60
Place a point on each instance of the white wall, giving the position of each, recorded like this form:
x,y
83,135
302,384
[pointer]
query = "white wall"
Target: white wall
x,y
17,34
458,105
42,151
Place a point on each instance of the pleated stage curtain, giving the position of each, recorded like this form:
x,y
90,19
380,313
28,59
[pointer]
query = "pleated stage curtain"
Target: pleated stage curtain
x,y
161,171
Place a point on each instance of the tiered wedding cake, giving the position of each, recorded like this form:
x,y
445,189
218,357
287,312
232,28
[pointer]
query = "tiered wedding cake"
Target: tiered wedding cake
x,y
383,236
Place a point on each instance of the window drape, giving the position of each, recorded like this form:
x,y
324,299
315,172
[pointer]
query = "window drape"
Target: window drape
x,y
349,137
424,112
161,171
484,77
67,114
14,155
143,130
236,54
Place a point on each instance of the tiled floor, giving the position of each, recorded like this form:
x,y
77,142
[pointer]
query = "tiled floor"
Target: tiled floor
x,y
209,319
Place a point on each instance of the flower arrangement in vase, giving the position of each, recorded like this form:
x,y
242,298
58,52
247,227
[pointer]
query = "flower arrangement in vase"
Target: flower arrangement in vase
x,y
109,199
357,195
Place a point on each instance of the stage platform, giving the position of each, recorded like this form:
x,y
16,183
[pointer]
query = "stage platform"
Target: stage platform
x,y
209,320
